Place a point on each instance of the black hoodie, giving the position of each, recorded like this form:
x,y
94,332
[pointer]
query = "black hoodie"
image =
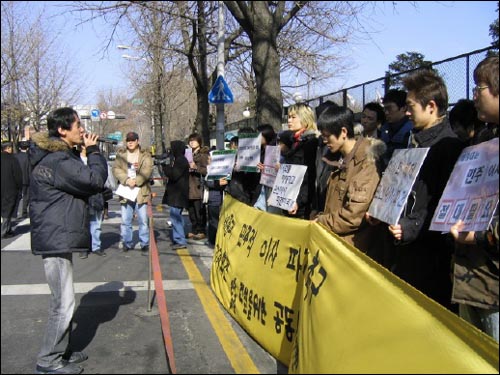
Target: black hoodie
x,y
177,173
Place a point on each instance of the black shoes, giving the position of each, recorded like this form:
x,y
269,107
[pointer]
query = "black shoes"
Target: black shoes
x,y
144,250
178,246
101,253
83,255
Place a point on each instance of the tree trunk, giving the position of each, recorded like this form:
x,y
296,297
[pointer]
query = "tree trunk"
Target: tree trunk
x,y
266,65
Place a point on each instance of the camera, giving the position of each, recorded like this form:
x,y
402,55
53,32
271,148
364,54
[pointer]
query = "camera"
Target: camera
x,y
163,158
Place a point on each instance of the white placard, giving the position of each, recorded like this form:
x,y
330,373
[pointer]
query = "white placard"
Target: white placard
x,y
471,194
396,183
271,159
249,151
221,164
287,186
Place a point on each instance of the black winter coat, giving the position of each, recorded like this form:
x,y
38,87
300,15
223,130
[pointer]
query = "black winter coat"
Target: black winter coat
x,y
304,152
60,187
12,181
423,257
177,172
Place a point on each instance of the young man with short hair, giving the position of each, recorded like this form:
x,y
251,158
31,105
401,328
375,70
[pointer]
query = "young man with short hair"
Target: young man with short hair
x,y
422,257
133,168
395,132
60,186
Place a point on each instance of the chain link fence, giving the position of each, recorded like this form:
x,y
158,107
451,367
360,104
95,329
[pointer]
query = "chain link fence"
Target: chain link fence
x,y
457,73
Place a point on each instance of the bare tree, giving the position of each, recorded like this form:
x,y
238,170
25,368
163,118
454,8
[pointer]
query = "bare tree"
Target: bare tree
x,y
289,36
35,78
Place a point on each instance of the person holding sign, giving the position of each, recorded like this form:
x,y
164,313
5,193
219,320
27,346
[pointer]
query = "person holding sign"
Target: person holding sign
x,y
351,186
476,258
302,121
197,172
422,257
244,186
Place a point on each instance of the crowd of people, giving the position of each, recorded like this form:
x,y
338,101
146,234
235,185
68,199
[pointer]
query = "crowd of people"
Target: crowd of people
x,y
67,175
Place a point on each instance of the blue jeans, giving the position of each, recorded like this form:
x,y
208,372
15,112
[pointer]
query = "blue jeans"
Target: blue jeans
x,y
484,319
178,236
95,228
59,275
127,210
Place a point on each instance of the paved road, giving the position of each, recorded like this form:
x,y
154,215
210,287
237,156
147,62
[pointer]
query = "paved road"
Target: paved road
x,y
114,323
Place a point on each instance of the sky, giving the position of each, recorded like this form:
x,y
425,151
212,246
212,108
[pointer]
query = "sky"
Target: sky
x,y
438,30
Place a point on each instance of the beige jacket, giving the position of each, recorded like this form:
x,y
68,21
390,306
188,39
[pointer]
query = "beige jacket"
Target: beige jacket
x,y
144,172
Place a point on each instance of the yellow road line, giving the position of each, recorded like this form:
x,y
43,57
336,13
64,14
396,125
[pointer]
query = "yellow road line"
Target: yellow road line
x,y
235,351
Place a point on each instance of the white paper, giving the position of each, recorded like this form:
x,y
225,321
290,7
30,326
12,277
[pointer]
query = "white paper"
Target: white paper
x,y
287,186
127,192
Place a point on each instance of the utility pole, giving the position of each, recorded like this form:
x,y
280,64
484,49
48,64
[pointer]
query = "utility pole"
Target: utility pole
x,y
219,125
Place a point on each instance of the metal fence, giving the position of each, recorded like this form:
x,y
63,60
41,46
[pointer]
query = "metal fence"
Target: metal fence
x,y
457,73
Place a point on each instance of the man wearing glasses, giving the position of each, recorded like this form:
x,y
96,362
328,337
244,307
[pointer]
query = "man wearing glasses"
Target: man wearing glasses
x,y
395,132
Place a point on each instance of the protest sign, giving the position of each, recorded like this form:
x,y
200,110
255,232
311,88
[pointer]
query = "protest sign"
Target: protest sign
x,y
299,290
271,159
396,183
249,151
287,186
188,153
221,164
471,193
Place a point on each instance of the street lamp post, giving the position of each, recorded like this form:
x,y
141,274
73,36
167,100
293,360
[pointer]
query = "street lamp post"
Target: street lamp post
x,y
157,115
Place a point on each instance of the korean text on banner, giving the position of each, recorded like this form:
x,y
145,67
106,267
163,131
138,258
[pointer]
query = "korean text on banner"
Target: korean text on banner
x,y
304,295
356,317
256,269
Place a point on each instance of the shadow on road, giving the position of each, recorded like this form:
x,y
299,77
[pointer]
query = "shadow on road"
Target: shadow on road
x,y
98,306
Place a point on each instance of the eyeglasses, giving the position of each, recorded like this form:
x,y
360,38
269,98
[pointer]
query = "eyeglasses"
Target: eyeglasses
x,y
477,89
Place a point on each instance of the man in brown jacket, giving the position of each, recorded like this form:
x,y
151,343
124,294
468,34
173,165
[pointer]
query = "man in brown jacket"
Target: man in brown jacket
x,y
351,186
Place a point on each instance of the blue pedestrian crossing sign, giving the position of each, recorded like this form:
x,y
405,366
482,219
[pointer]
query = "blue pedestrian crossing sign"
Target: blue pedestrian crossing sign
x,y
220,93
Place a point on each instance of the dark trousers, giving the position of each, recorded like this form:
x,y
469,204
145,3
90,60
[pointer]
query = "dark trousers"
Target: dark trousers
x,y
24,194
213,223
197,216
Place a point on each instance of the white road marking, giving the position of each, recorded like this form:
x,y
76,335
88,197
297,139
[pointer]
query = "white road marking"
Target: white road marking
x,y
91,287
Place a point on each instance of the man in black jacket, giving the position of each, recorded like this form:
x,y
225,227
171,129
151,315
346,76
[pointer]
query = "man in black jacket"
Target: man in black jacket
x,y
12,180
177,192
60,186
422,257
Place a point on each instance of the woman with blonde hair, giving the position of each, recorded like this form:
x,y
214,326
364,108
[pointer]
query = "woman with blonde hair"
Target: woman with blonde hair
x,y
302,121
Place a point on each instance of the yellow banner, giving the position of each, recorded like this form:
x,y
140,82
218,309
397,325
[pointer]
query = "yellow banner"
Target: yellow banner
x,y
258,265
355,316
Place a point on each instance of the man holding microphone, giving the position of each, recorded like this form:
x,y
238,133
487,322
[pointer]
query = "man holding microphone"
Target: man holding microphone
x,y
60,186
